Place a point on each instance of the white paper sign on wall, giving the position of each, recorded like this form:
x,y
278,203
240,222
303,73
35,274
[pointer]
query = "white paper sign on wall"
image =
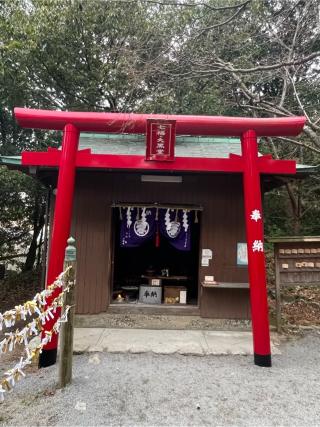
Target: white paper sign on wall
x,y
204,262
207,253
242,254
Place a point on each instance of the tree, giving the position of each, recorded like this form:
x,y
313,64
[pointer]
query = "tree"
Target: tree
x,y
69,55
222,57
21,215
266,65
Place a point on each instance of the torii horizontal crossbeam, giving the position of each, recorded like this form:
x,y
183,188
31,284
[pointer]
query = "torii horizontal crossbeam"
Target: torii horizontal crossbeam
x,y
136,123
85,159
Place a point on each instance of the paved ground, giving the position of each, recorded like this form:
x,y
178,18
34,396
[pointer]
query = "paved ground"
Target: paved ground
x,y
200,343
174,390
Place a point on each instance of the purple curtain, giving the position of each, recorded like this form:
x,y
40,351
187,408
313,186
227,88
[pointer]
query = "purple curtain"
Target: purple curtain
x,y
139,225
175,226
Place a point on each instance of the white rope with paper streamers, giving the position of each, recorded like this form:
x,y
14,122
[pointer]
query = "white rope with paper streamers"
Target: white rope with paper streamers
x,y
144,216
12,376
34,306
185,223
32,329
129,220
167,220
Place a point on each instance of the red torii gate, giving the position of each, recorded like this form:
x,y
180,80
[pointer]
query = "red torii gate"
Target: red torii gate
x,y
249,164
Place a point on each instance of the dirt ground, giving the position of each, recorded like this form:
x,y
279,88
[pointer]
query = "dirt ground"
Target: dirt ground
x,y
300,307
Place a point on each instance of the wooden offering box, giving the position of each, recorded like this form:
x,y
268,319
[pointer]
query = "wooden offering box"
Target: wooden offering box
x,y
175,295
150,294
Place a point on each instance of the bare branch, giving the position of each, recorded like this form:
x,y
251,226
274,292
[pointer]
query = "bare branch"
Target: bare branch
x,y
274,148
298,98
301,144
272,111
211,27
289,58
278,65
312,135
284,91
4,258
183,4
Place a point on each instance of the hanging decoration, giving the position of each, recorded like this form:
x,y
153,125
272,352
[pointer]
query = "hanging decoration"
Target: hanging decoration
x,y
34,306
141,226
185,222
172,227
129,221
134,233
12,376
174,224
33,328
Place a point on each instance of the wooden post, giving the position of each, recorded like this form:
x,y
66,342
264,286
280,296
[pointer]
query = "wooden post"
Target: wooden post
x,y
278,289
66,332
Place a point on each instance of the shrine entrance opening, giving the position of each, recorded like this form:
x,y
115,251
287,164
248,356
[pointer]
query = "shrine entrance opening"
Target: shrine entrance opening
x,y
155,256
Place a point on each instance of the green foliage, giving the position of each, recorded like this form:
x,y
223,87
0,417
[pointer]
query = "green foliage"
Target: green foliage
x,y
162,57
18,196
25,286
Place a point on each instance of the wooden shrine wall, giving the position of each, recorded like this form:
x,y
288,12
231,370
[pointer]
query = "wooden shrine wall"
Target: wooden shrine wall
x,y
222,227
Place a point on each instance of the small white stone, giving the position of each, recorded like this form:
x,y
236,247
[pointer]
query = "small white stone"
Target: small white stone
x,y
94,359
81,406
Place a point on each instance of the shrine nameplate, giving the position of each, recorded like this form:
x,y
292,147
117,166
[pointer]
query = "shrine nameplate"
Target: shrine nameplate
x,y
161,135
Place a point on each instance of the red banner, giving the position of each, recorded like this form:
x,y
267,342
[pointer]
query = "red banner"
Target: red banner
x,y
161,137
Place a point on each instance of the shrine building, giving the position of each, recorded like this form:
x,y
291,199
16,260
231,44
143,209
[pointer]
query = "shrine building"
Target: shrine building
x,y
166,211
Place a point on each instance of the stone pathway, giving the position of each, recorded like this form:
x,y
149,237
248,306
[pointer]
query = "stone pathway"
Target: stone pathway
x,y
187,342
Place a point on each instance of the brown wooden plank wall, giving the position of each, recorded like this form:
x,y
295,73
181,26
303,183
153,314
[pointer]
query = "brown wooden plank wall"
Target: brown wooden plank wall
x,y
222,227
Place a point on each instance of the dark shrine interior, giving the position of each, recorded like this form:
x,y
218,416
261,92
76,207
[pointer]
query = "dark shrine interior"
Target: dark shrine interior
x,y
130,264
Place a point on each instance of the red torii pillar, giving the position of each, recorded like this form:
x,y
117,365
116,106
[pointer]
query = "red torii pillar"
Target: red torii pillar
x,y
60,231
248,164
256,259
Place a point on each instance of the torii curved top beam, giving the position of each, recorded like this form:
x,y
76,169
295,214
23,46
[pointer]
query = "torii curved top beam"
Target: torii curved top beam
x,y
136,123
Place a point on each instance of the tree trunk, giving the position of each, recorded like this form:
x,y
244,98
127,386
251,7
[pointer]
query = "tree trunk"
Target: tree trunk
x,y
295,203
38,223
39,248
32,252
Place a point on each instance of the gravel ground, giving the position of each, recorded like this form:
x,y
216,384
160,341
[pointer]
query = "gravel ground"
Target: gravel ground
x,y
153,390
152,321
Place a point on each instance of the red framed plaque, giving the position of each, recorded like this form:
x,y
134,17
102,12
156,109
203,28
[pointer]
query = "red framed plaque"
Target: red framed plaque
x,y
161,137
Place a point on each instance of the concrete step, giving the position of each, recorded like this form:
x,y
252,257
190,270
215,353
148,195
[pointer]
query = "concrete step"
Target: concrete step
x,y
187,342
